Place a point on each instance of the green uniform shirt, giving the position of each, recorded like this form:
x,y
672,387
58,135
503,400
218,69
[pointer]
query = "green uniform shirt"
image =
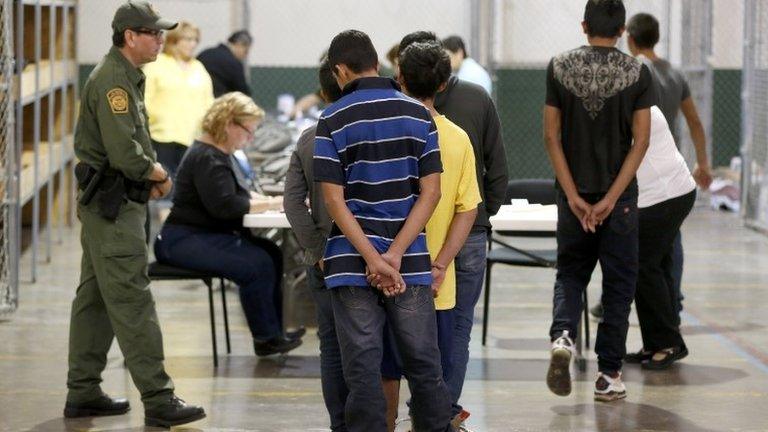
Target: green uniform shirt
x,y
113,121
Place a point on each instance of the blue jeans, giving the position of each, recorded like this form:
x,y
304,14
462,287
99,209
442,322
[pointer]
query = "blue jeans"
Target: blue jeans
x,y
470,270
237,258
615,245
360,313
391,364
335,389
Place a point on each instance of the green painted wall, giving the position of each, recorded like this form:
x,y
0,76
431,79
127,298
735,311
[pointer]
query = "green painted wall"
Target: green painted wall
x,y
520,96
726,116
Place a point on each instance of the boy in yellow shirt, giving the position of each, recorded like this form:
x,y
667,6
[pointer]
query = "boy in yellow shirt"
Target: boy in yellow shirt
x,y
424,70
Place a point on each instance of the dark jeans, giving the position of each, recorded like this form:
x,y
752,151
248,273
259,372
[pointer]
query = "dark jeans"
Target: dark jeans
x,y
360,313
656,296
677,271
335,389
238,259
615,246
470,270
391,364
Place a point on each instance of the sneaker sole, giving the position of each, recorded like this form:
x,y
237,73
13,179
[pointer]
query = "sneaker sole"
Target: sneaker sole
x,y
90,412
149,421
610,397
559,373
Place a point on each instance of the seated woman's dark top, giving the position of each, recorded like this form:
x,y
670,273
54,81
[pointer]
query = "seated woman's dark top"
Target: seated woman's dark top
x,y
209,193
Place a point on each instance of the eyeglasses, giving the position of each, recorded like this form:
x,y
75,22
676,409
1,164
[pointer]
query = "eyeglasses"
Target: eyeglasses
x,y
251,133
157,34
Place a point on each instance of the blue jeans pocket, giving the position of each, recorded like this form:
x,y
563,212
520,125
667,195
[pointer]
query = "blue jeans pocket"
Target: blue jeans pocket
x,y
355,297
471,257
414,297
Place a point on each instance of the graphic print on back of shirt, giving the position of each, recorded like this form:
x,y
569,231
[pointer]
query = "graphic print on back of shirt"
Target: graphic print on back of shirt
x,y
594,76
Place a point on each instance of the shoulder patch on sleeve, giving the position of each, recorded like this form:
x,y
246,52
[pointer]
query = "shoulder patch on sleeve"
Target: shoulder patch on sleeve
x,y
118,100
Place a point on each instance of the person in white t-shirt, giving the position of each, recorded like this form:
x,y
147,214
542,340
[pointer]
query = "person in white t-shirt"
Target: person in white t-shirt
x,y
667,191
464,66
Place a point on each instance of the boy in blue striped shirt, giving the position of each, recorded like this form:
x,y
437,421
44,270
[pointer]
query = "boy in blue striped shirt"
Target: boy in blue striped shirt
x,y
377,159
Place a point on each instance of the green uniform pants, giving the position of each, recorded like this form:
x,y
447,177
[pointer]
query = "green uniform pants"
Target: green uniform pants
x,y
114,300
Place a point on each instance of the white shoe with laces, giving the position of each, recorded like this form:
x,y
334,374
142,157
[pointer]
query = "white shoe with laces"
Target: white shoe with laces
x,y
559,373
609,389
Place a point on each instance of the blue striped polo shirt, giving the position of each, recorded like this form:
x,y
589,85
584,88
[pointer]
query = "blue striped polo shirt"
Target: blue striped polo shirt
x,y
377,143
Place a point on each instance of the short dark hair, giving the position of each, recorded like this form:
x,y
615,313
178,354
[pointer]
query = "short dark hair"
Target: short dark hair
x,y
644,29
454,44
417,36
604,18
328,84
424,67
354,49
240,37
118,38
392,53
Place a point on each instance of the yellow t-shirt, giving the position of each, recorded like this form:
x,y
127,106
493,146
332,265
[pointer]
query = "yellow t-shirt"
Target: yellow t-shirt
x,y
176,99
460,193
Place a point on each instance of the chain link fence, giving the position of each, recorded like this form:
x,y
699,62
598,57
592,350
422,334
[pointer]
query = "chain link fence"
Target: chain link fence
x,y
8,208
530,32
755,120
696,49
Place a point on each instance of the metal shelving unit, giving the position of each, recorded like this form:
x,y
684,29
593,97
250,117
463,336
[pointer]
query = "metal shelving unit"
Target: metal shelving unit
x,y
9,259
45,102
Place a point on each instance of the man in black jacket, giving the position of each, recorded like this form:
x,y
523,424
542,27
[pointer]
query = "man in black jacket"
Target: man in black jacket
x,y
225,64
471,108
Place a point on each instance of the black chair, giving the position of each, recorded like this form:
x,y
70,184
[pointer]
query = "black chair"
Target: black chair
x,y
163,272
536,191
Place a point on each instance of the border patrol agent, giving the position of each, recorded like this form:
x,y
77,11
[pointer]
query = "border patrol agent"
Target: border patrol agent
x,y
118,173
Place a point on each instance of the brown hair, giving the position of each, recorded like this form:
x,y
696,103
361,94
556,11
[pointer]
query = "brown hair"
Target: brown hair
x,y
231,107
172,37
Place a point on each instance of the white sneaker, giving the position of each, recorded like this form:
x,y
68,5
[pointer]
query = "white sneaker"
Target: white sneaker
x,y
559,373
609,389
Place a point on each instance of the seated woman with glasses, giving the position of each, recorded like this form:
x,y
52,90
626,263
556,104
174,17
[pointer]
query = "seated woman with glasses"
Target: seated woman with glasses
x,y
204,230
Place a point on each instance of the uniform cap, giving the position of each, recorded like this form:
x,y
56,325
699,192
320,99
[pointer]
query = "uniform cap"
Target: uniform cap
x,y
135,14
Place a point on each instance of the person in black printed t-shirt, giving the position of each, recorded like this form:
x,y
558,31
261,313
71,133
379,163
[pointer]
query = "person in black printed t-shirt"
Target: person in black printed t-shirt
x,y
598,101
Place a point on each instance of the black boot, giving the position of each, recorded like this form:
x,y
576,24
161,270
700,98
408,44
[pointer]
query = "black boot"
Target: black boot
x,y
277,345
101,406
172,413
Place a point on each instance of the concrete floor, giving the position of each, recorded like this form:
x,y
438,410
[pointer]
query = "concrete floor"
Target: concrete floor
x,y
721,386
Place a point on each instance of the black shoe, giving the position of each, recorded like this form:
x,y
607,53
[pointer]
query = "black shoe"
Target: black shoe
x,y
597,311
101,406
638,357
173,413
276,345
671,355
296,334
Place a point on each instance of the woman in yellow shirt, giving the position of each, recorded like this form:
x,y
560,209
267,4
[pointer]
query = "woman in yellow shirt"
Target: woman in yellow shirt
x,y
178,93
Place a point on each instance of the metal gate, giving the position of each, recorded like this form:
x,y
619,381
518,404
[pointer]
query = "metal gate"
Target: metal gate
x,y
9,235
755,115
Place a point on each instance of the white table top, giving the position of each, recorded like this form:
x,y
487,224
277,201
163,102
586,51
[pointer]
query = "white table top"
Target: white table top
x,y
531,217
528,217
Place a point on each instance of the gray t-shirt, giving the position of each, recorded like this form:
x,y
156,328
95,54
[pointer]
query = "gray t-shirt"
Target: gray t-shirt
x,y
671,88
